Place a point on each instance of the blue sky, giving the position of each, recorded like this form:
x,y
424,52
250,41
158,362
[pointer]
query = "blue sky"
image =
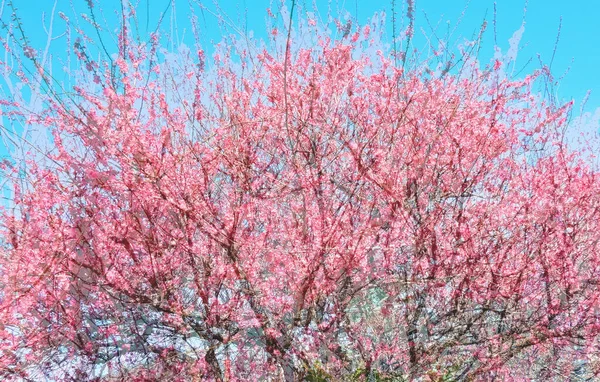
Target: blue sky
x,y
578,49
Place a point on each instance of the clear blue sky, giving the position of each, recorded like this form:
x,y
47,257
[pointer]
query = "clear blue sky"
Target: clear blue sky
x,y
578,49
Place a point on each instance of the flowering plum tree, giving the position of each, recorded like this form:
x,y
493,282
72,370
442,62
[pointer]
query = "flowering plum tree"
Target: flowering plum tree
x,y
320,213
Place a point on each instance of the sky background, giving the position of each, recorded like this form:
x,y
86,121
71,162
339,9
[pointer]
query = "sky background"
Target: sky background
x,y
577,51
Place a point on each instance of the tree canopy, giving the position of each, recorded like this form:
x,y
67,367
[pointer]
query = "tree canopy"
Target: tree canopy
x,y
316,213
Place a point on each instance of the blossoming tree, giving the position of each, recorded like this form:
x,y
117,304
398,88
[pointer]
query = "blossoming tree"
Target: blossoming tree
x,y
319,213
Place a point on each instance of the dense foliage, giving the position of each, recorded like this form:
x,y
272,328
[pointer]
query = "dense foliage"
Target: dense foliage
x,y
316,213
